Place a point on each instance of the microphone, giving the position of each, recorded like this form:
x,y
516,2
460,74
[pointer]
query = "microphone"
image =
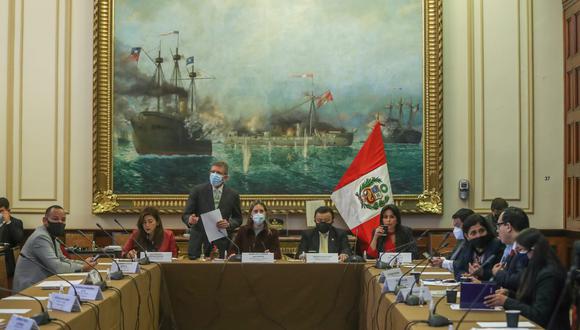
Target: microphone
x,y
355,258
40,318
237,257
102,283
413,300
144,260
117,275
436,320
485,285
401,248
52,272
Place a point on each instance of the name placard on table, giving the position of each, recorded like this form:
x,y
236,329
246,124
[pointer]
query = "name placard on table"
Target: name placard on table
x,y
391,283
87,292
258,257
18,322
64,302
161,257
127,267
321,258
405,257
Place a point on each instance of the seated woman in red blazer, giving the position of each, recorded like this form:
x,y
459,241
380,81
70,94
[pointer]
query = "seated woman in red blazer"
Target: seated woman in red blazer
x,y
255,235
151,235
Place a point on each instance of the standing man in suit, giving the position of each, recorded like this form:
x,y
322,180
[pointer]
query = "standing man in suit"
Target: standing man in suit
x,y
207,197
11,232
325,238
44,249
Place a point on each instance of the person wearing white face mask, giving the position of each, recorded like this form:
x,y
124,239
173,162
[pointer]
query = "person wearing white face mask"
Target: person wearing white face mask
x,y
457,219
255,235
207,197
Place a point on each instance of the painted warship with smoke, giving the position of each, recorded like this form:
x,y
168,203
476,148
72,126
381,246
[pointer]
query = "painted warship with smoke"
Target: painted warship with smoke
x,y
393,127
173,126
290,128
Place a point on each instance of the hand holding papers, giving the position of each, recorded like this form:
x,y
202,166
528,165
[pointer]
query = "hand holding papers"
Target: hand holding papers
x,y
210,220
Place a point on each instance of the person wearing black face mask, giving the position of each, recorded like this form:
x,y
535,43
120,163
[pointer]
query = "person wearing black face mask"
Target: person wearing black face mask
x,y
325,238
44,249
482,246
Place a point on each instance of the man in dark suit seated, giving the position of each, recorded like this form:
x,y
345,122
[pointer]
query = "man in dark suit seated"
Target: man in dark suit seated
x,y
325,238
11,232
458,218
508,271
482,251
207,197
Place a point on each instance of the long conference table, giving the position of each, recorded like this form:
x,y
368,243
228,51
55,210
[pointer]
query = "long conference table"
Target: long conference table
x,y
188,294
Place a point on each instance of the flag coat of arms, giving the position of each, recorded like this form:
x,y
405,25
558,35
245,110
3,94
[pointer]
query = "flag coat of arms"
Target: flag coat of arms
x,y
365,188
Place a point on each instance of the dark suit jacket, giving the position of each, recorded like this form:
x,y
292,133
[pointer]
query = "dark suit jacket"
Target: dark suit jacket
x,y
461,264
337,241
509,278
13,234
403,235
548,284
201,201
267,239
459,245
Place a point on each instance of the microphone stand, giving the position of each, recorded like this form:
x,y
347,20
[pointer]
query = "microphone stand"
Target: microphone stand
x,y
116,275
436,320
144,260
237,257
102,283
413,300
355,258
53,273
40,318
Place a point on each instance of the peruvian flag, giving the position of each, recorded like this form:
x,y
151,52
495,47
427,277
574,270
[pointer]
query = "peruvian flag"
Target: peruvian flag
x,y
365,188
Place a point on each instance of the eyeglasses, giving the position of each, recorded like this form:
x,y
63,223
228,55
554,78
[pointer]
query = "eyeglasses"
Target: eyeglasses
x,y
500,223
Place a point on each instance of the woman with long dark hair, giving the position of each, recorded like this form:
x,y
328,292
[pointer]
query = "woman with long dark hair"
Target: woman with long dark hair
x,y
391,234
256,235
540,284
151,235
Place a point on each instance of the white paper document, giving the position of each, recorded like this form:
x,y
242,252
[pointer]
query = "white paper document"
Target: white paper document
x,y
210,220
24,298
455,307
14,310
55,285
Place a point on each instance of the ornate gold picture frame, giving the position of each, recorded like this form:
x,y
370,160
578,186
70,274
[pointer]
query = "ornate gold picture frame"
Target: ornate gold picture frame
x,y
110,197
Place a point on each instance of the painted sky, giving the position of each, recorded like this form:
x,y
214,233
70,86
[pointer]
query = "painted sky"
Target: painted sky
x,y
363,51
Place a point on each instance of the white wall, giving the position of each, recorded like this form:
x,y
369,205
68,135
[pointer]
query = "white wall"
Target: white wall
x,y
503,100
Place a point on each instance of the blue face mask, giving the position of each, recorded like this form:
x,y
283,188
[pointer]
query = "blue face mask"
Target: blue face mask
x,y
258,218
458,233
216,179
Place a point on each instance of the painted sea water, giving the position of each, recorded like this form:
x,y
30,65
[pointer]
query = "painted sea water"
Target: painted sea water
x,y
260,170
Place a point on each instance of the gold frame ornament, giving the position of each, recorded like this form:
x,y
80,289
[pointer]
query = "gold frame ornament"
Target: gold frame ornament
x,y
106,201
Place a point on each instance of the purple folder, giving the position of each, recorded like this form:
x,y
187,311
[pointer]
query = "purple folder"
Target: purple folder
x,y
472,291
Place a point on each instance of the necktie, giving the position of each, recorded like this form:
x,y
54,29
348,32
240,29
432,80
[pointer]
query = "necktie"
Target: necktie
x,y
323,248
217,195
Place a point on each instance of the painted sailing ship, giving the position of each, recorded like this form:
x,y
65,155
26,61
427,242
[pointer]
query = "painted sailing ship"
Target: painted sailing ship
x,y
312,132
173,127
393,127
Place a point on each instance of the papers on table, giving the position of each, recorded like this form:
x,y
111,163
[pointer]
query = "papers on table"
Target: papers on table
x,y
436,273
14,310
24,298
210,220
504,325
455,307
55,285
81,274
439,283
